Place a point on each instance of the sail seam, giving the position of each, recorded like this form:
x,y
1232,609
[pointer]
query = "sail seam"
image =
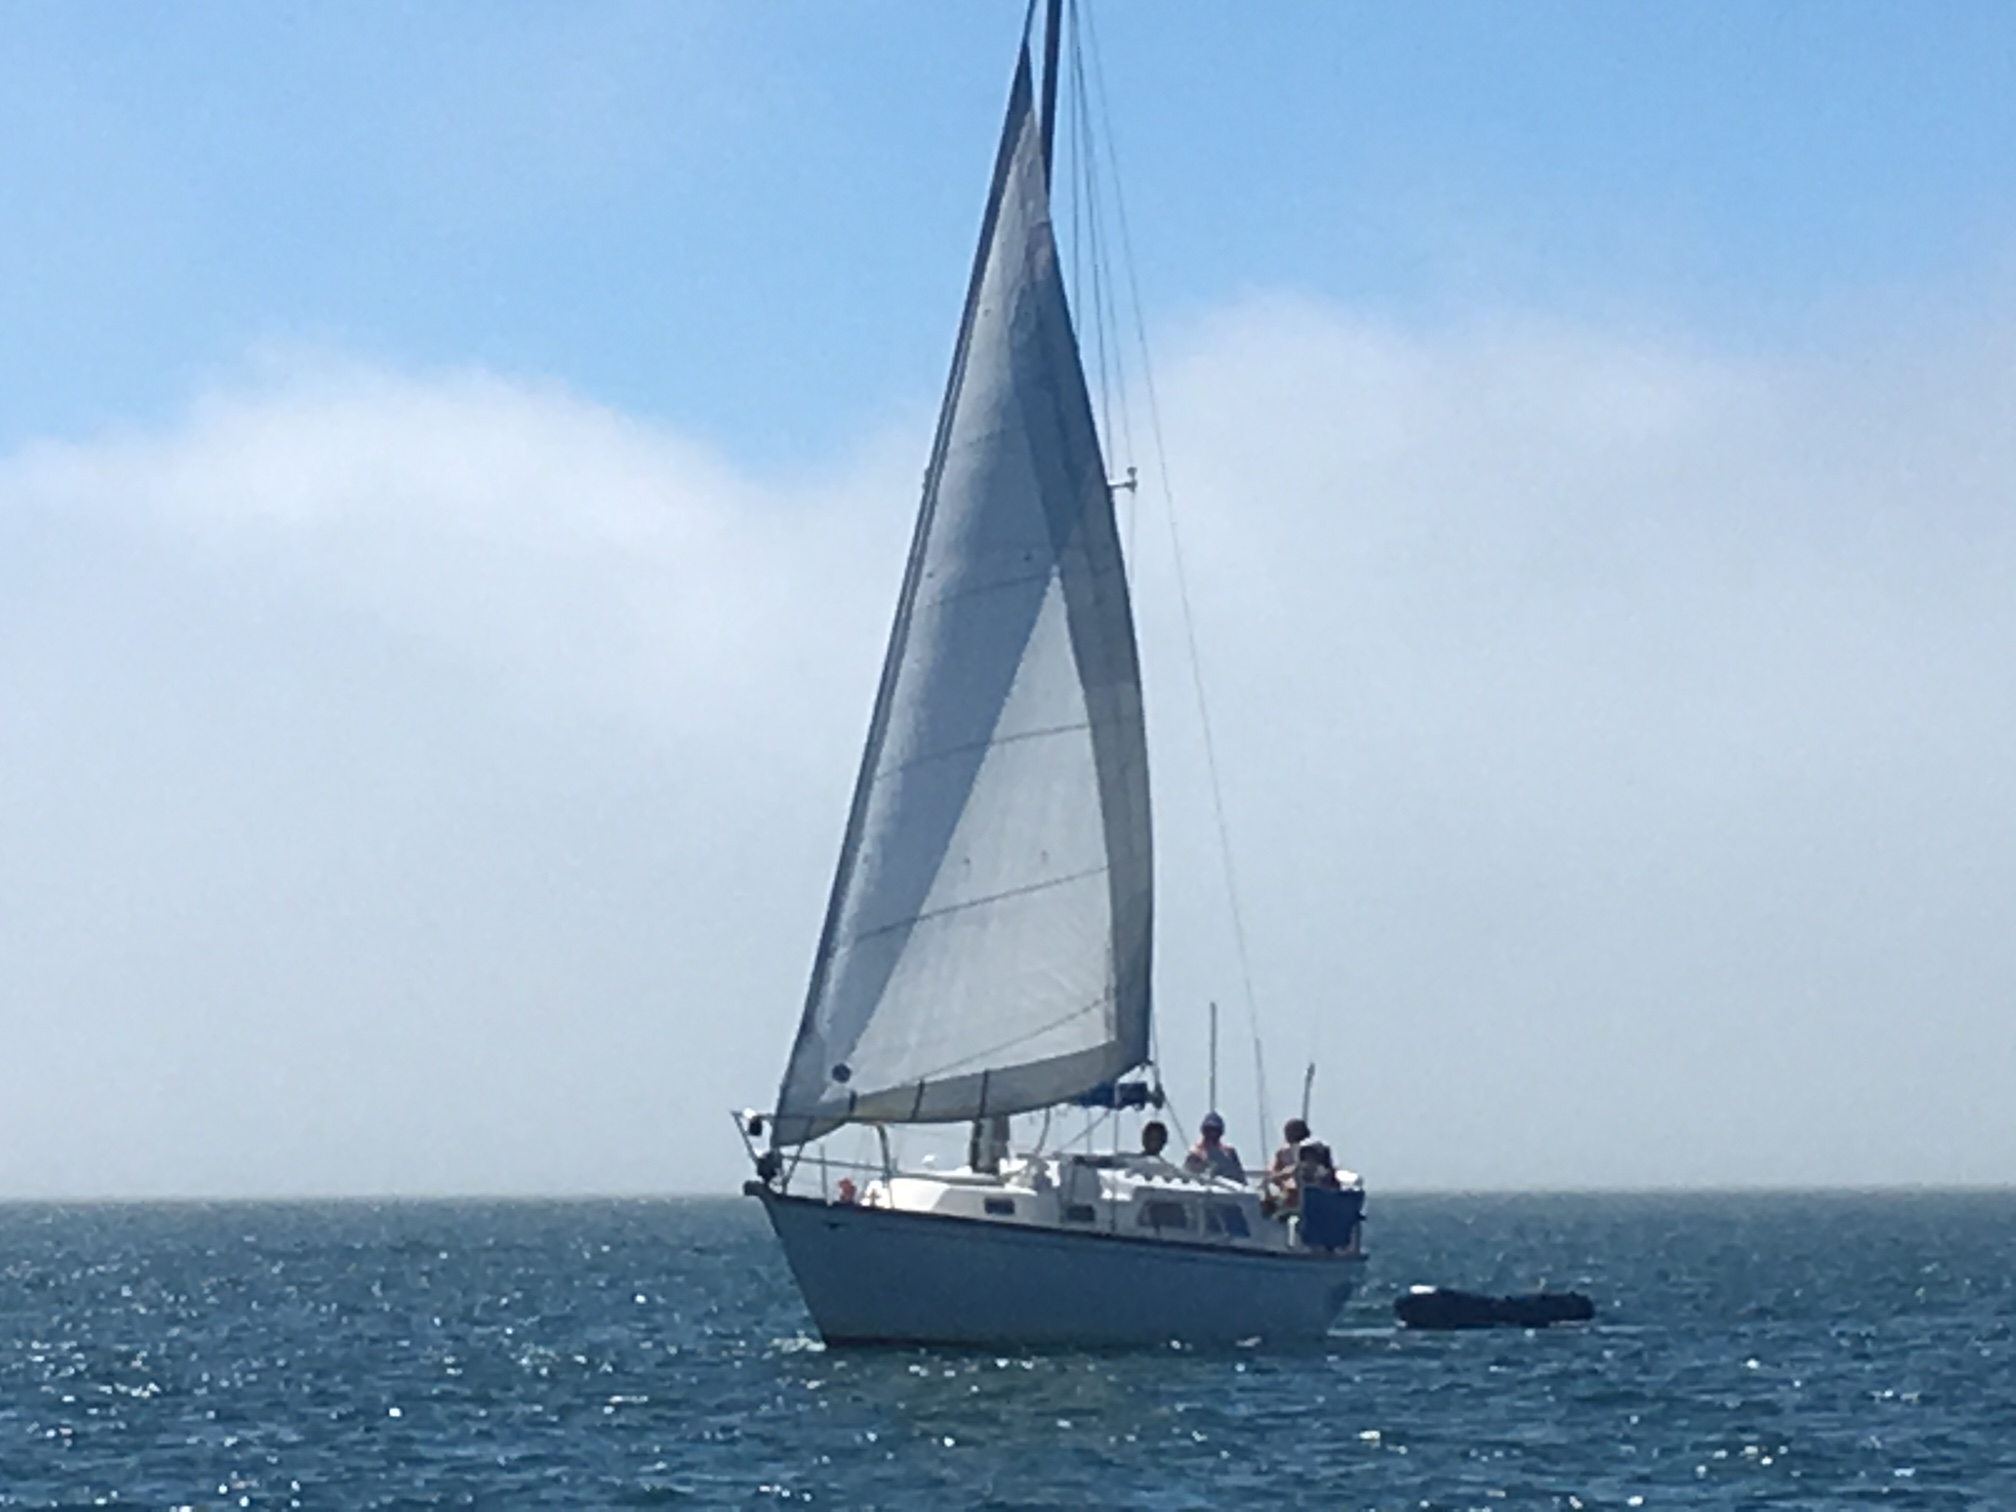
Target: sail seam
x,y
1021,1039
992,585
966,903
830,1115
966,748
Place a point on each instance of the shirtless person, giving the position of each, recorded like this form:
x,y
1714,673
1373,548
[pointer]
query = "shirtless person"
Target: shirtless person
x,y
1300,1162
1282,1168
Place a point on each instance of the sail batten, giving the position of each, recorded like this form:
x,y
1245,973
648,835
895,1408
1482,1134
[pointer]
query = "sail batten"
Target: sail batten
x,y
986,943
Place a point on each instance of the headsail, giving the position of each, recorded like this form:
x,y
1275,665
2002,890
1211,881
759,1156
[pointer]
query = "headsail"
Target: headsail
x,y
986,947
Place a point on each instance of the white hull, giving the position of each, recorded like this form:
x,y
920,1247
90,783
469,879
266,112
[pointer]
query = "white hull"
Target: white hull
x,y
876,1276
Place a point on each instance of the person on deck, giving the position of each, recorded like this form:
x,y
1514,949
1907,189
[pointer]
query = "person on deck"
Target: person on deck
x,y
1154,1138
1285,1159
1301,1162
1211,1156
1315,1168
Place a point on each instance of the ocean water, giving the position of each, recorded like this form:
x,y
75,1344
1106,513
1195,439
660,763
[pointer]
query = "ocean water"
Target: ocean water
x,y
1795,1350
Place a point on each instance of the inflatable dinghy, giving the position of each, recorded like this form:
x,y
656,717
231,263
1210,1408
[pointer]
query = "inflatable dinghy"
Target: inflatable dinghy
x,y
1439,1307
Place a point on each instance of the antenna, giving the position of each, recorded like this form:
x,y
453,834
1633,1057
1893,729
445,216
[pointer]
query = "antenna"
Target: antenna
x,y
1211,1099
1308,1085
1260,1088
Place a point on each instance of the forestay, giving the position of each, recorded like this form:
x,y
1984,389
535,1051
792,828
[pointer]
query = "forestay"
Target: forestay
x,y
986,946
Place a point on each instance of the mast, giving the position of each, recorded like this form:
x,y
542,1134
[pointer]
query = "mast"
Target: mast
x,y
1053,25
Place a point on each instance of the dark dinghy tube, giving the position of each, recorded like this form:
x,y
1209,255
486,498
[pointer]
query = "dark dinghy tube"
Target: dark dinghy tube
x,y
1441,1308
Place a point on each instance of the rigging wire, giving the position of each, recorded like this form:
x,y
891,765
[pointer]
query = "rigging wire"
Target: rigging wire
x,y
1094,100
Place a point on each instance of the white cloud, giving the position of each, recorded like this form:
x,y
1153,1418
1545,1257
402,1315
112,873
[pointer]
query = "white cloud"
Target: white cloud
x,y
548,539
415,783
1628,731
428,782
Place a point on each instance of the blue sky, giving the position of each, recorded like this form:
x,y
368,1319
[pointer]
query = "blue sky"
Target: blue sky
x,y
454,470
750,218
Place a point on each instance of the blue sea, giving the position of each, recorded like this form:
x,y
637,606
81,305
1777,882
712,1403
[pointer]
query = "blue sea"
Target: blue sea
x,y
1791,1350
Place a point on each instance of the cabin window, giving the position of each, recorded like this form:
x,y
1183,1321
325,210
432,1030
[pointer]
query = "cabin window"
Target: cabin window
x,y
1222,1218
1001,1207
1080,1212
1164,1215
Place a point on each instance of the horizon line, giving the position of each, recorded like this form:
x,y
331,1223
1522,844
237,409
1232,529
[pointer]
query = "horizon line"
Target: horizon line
x,y
302,1199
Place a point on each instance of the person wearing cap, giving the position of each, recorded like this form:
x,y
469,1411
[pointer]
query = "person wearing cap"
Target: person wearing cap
x,y
1211,1156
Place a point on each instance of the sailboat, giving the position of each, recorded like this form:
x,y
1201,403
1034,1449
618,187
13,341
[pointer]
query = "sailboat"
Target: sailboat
x,y
986,949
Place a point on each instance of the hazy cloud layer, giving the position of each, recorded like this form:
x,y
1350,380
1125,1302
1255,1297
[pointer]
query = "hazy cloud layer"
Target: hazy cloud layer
x,y
1635,745
430,782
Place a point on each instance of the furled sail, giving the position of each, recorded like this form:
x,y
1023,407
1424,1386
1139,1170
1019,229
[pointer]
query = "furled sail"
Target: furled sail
x,y
986,947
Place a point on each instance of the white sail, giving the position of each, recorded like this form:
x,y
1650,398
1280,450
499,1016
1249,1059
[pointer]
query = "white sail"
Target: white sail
x,y
986,946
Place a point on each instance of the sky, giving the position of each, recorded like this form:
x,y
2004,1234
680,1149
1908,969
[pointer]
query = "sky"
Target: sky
x,y
455,470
